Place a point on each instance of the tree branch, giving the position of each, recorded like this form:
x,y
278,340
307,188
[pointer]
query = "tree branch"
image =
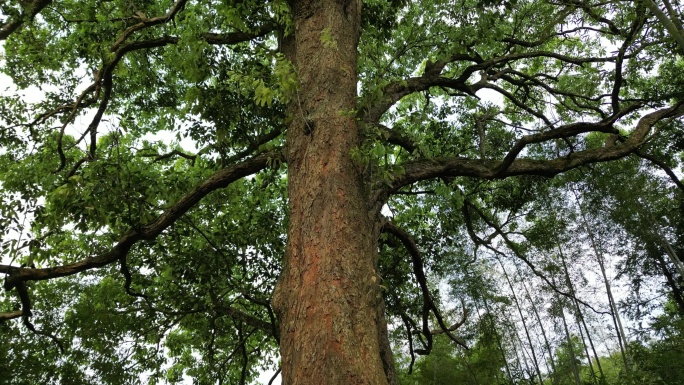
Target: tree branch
x,y
669,24
398,139
26,314
662,166
590,11
220,179
160,157
252,321
103,79
566,131
30,11
424,169
636,26
11,315
395,91
428,301
145,22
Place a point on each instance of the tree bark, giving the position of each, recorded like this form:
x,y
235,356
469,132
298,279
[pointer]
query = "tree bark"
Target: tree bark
x,y
669,24
328,296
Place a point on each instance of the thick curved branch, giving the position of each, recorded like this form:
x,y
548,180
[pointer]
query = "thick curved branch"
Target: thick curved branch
x,y
502,60
31,9
409,334
398,139
11,315
128,281
26,314
73,110
168,155
395,91
566,131
669,23
428,301
103,80
523,106
663,167
464,318
221,179
675,15
636,26
419,273
275,375
26,306
145,22
92,127
424,169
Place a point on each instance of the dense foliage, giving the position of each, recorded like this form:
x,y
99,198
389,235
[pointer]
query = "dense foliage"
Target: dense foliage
x,y
522,157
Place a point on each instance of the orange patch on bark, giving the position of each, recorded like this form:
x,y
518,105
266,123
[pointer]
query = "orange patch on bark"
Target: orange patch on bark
x,y
311,273
334,341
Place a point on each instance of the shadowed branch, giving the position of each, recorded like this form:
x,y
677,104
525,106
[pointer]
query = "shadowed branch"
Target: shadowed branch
x,y
221,179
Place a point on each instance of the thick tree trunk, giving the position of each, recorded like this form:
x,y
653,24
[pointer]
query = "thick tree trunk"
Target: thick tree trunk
x,y
328,297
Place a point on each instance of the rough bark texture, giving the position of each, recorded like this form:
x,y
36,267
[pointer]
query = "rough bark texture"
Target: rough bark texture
x,y
328,296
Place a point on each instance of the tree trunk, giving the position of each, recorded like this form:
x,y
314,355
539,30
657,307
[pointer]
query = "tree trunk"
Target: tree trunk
x,y
539,321
328,297
540,379
670,252
676,291
571,348
581,323
622,338
498,340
